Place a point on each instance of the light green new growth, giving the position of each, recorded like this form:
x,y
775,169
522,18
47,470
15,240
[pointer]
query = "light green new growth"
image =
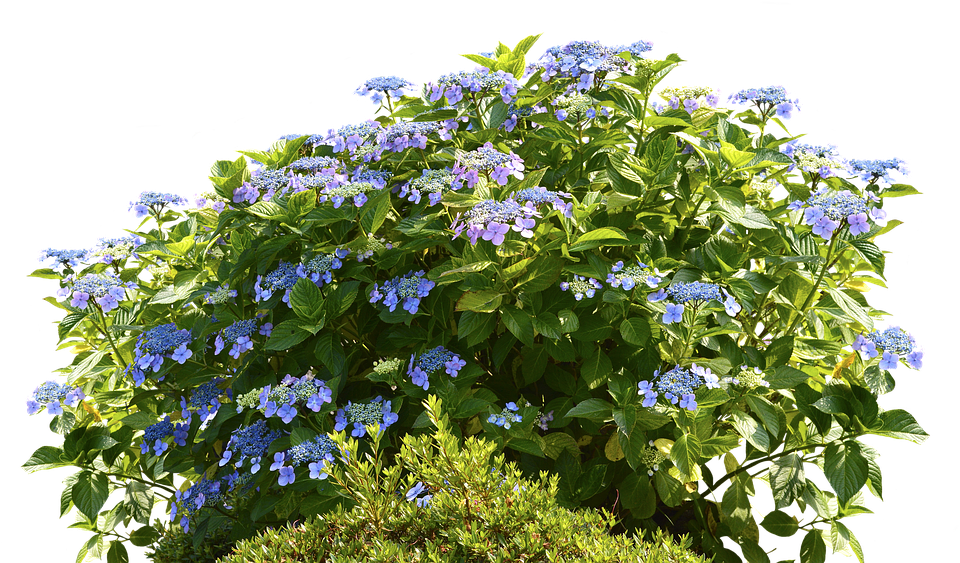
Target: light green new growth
x,y
479,511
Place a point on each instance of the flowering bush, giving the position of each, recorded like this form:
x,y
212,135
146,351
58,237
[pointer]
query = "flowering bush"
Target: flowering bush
x,y
658,303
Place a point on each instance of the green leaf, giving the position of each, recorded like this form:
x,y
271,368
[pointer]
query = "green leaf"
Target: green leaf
x,y
306,301
845,469
899,190
69,323
753,552
787,480
301,203
557,442
747,427
593,409
596,368
785,377
90,492
780,523
604,236
767,413
46,457
846,537
735,158
286,335
878,380
901,424
670,490
117,553
635,331
685,455
469,268
718,445
484,301
268,210
518,322
342,298
779,351
329,351
851,307
228,175
813,549
142,537
735,506
138,499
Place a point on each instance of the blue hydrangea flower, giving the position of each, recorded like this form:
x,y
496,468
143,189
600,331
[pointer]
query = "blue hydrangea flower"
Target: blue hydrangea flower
x,y
377,87
876,170
205,401
362,415
155,202
156,344
538,195
249,443
454,85
350,137
239,335
319,269
627,277
52,396
583,59
154,435
106,289
434,183
316,164
432,361
317,454
111,250
283,399
408,289
498,166
63,259
581,287
203,493
281,279
767,99
220,295
492,220
821,160
825,211
506,417
678,386
407,134
894,343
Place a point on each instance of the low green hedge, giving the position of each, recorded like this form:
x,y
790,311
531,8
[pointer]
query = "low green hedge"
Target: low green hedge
x,y
442,502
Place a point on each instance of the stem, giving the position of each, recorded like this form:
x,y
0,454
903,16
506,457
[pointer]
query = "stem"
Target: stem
x,y
772,457
476,105
816,285
103,330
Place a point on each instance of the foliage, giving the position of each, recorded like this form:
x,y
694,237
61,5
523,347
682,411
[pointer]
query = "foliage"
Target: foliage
x,y
444,502
178,547
611,287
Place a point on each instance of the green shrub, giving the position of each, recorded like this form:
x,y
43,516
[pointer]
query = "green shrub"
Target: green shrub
x,y
175,546
441,502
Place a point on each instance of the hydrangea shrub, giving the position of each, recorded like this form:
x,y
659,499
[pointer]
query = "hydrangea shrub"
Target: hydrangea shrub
x,y
608,281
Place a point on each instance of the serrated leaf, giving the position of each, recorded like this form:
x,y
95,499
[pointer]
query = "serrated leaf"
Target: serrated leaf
x,y
787,480
780,523
901,424
685,455
286,335
635,331
90,492
593,409
519,323
599,237
845,469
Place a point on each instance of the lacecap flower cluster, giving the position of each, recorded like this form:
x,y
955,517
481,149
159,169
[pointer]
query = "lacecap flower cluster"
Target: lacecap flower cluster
x,y
699,292
409,289
430,362
826,211
52,396
106,289
894,343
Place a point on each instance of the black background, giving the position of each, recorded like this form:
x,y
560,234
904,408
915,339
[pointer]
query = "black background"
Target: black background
x,y
113,117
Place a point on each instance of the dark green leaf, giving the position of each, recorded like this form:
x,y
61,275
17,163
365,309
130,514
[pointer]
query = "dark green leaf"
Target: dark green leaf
x,y
901,424
90,492
593,409
813,549
518,322
780,524
845,469
787,480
